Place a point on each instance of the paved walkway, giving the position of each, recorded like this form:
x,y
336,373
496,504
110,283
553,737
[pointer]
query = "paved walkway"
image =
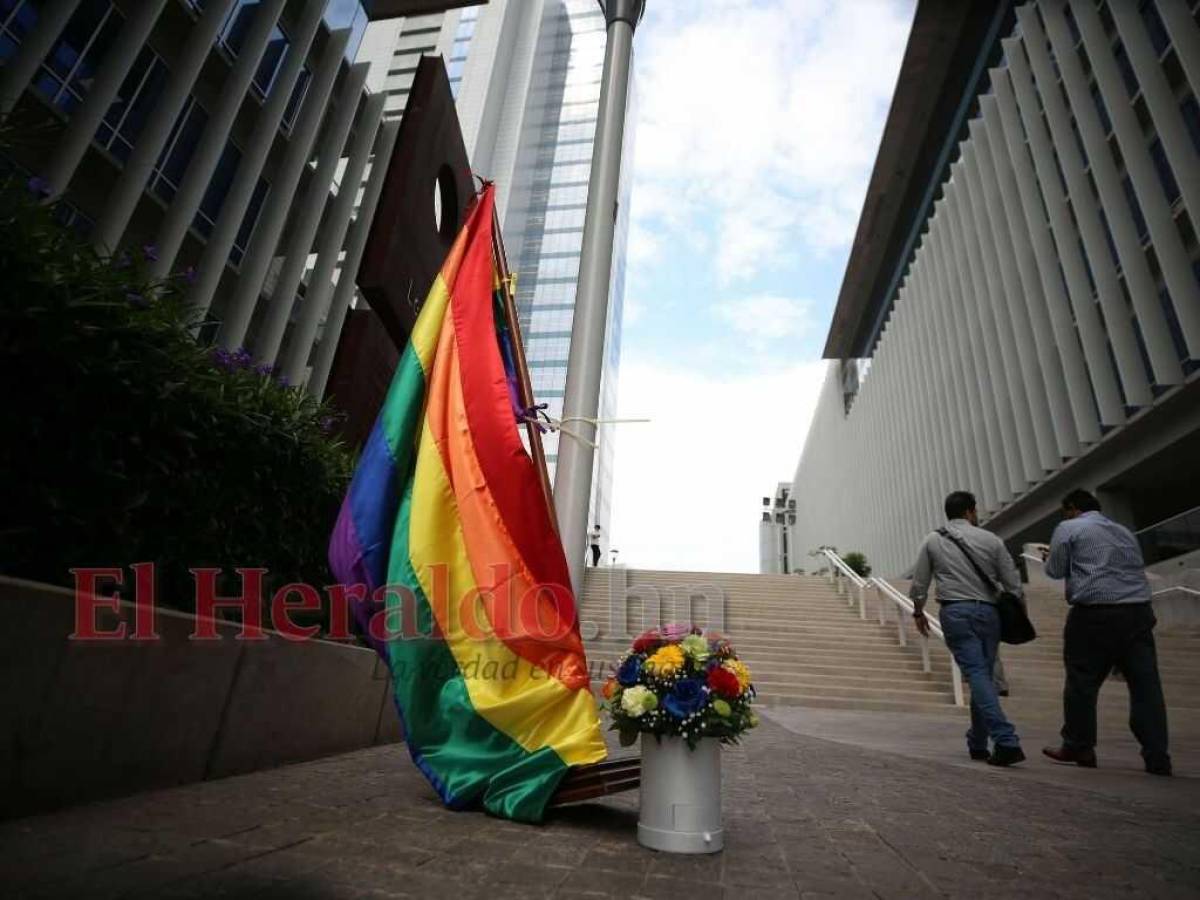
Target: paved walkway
x,y
805,817
941,739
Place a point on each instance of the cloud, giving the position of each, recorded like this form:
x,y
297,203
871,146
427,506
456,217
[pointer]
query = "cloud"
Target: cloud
x,y
689,483
766,318
758,123
631,312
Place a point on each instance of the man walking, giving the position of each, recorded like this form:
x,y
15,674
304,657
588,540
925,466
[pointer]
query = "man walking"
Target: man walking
x,y
1110,624
969,619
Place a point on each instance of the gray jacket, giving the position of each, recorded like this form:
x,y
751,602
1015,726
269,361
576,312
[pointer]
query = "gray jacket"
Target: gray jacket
x,y
956,579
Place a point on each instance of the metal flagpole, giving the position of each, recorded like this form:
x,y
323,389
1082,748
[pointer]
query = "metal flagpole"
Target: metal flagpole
x,y
581,397
525,388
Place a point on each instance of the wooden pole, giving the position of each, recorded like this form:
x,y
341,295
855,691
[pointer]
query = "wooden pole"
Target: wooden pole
x,y
524,386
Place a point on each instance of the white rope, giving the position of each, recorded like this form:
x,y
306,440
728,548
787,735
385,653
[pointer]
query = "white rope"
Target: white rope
x,y
556,425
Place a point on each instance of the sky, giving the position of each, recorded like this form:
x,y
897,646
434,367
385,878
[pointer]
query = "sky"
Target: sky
x,y
757,127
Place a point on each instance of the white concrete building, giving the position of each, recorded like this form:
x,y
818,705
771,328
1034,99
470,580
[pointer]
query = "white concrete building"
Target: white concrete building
x,y
775,533
1025,283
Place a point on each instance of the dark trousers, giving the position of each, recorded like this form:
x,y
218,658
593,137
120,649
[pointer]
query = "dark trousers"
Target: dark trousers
x,y
1096,640
595,554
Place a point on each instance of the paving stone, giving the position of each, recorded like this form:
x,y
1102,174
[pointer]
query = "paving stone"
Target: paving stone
x,y
804,818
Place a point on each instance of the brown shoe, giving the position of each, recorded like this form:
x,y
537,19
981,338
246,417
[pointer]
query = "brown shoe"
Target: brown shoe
x,y
1084,758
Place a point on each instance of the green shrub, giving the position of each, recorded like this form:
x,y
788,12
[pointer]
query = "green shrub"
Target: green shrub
x,y
857,561
126,441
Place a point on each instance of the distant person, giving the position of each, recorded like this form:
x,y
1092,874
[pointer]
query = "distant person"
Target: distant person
x,y
1110,625
594,544
969,619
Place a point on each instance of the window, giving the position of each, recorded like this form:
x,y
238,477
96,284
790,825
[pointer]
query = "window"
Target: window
x,y
1139,220
1079,142
347,14
1173,326
1087,267
1154,25
1191,117
1122,58
218,189
248,222
1165,176
272,59
298,94
1112,246
232,38
1076,37
17,18
1101,109
136,98
69,68
168,171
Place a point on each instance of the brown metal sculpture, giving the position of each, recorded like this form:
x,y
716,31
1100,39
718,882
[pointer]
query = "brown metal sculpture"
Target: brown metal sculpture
x,y
429,168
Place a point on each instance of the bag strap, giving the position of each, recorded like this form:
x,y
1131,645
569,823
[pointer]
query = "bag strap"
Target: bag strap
x,y
987,579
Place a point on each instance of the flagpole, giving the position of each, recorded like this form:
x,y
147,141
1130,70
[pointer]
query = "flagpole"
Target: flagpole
x,y
581,397
524,385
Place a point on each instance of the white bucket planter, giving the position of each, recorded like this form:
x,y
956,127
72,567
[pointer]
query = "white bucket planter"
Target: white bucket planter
x,y
681,796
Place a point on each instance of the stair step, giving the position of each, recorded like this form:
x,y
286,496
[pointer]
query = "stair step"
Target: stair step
x,y
808,646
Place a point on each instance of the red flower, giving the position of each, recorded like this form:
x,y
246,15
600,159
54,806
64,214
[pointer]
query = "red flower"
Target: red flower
x,y
722,681
647,641
610,688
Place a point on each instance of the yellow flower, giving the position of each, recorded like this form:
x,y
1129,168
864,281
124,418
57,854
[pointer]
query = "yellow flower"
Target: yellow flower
x,y
666,660
738,668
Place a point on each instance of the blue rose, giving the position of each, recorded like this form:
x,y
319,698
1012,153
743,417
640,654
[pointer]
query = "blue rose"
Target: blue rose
x,y
686,698
630,671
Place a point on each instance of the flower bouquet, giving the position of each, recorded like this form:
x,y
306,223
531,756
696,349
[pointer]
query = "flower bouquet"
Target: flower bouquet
x,y
679,682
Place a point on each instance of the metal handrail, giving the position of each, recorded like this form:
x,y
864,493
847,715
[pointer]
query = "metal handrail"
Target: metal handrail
x,y
905,608
839,573
1174,587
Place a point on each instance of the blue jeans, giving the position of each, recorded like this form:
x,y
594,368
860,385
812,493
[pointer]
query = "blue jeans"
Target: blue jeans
x,y
972,633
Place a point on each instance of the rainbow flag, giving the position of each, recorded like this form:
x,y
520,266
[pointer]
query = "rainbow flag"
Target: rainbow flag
x,y
445,517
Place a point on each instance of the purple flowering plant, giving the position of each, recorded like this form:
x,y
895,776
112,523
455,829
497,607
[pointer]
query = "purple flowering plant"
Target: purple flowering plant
x,y
129,439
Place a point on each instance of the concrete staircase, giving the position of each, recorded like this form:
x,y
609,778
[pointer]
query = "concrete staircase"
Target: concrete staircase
x,y
1035,673
803,644
806,647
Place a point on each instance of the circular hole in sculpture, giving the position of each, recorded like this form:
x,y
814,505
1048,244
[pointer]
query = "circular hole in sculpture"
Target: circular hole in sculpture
x,y
445,204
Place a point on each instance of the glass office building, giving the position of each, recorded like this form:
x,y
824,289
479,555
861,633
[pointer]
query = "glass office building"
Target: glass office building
x,y
544,220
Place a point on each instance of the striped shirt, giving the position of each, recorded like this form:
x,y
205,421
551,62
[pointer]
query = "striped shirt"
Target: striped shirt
x,y
1101,561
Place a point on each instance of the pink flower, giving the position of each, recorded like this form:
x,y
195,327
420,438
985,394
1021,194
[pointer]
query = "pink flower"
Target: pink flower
x,y
676,631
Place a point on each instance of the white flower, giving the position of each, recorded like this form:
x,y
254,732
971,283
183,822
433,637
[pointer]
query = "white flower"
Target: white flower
x,y
637,700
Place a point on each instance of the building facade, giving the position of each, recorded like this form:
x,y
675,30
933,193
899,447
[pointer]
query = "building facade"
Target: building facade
x,y
1024,284
209,132
775,539
218,134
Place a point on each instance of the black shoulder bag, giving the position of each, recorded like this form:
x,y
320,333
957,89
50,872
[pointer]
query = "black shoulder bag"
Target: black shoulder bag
x,y
1015,626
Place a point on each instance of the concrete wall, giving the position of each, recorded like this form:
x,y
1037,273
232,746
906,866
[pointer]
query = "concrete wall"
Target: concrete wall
x,y
84,720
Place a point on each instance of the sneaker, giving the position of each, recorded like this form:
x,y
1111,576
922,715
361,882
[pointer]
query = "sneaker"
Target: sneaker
x,y
979,755
1006,756
1084,758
